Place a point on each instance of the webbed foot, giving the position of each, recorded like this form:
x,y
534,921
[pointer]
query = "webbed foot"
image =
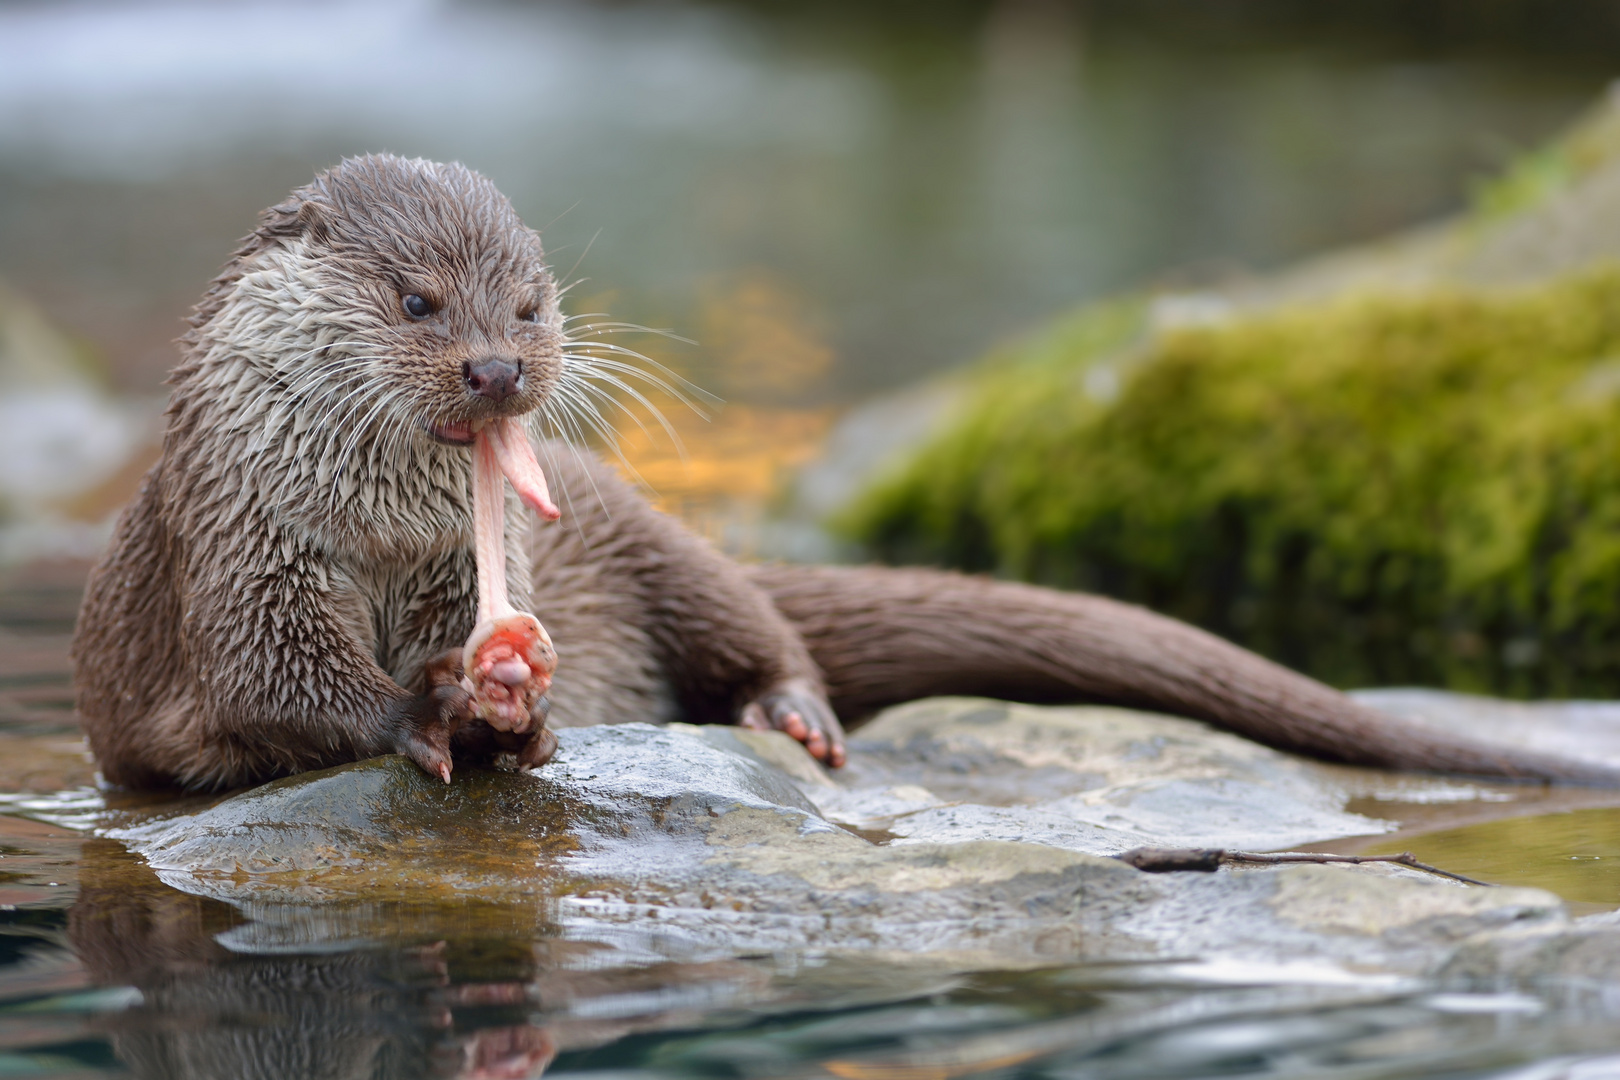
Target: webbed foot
x,y
533,746
798,708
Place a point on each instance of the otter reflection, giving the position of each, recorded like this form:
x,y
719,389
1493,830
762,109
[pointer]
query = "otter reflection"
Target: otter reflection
x,y
374,1012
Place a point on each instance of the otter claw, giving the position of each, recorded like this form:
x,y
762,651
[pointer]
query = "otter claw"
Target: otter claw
x,y
423,726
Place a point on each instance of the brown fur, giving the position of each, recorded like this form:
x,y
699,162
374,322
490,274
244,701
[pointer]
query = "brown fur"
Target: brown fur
x,y
272,598
883,636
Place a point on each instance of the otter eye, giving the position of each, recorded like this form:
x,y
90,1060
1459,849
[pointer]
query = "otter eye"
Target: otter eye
x,y
532,315
415,306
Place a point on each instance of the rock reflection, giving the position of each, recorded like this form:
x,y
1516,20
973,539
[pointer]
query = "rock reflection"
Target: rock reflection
x,y
495,991
397,1011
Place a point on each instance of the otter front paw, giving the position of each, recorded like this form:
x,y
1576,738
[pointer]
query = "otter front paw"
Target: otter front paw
x,y
537,750
798,708
423,726
532,747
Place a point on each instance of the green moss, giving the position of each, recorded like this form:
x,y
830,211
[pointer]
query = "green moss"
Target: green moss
x,y
1397,490
1042,379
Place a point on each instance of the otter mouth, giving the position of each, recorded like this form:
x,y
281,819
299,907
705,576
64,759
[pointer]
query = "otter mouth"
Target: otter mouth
x,y
459,433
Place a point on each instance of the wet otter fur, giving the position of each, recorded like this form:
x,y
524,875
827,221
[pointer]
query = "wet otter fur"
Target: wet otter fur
x,y
290,587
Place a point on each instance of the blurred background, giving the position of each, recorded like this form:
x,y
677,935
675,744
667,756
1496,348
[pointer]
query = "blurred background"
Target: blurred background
x,y
840,205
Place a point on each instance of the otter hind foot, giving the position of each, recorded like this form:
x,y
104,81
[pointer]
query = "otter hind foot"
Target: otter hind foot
x,y
798,709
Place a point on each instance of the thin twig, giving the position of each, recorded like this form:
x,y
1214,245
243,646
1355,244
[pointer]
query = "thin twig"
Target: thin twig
x,y
1167,860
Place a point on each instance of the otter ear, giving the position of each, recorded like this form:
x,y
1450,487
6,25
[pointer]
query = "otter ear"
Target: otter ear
x,y
295,216
313,220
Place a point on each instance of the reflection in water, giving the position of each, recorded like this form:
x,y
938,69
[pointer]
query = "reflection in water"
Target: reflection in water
x,y
479,999
208,1012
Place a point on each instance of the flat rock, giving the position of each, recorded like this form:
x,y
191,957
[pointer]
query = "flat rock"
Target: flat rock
x,y
1085,778
692,843
1584,955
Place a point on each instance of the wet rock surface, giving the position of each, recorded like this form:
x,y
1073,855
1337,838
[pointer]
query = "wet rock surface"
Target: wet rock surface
x,y
1587,730
1091,779
967,833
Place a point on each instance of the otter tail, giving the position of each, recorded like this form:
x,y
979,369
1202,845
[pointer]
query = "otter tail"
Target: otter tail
x,y
883,636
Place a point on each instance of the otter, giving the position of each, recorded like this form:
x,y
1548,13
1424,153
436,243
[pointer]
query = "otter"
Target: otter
x,y
291,586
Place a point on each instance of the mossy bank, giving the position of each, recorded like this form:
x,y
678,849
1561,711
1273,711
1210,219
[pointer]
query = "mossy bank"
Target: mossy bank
x,y
1378,490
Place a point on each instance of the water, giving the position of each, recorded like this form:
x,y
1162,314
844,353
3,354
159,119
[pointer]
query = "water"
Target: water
x,y
1575,853
129,976
135,978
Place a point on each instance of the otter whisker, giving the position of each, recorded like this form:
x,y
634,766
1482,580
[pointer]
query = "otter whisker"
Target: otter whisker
x,y
571,407
612,373
576,407
573,445
359,429
682,393
275,382
380,457
283,363
292,412
587,391
571,269
591,362
584,391
590,387
319,421
299,393
583,395
577,348
592,332
399,440
562,483
583,410
587,373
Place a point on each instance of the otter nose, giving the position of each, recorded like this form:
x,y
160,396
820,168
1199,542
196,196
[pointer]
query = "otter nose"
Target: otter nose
x,y
493,377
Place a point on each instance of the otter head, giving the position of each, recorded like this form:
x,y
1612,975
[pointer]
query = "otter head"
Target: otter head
x,y
441,281
363,333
